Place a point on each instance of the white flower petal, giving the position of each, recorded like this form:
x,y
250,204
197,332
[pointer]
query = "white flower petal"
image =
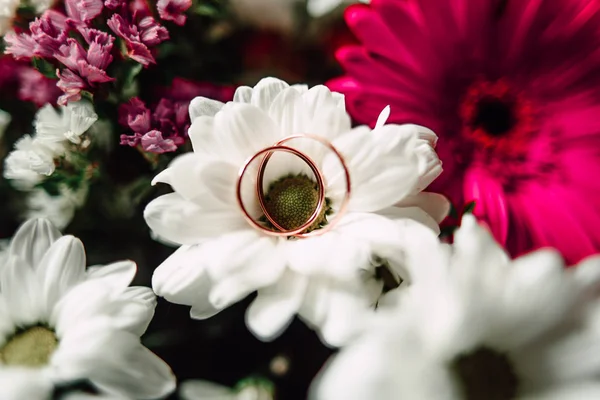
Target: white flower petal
x,y
117,275
182,279
275,306
61,268
265,92
183,170
240,263
204,390
288,110
243,94
434,204
241,130
180,221
21,291
382,166
536,288
203,106
114,361
413,213
24,383
32,240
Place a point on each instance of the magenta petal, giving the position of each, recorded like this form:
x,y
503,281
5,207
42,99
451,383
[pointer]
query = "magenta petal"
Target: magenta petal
x,y
490,201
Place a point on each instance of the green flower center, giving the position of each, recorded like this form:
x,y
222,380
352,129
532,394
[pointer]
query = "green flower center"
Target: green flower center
x,y
292,200
485,374
29,348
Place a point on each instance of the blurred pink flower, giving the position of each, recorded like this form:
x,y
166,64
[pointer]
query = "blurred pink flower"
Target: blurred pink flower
x,y
164,128
47,34
162,131
83,10
173,10
511,88
139,37
35,87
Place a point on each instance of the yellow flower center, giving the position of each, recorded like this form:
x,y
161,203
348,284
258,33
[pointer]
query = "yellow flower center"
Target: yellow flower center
x,y
292,200
29,348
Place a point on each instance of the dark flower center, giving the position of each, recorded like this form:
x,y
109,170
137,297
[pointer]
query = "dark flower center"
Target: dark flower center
x,y
31,347
292,200
493,115
485,374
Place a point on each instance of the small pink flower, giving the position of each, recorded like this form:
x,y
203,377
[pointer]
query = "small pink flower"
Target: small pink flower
x,y
83,10
47,34
89,65
71,84
20,45
153,142
136,115
173,10
162,131
36,88
138,37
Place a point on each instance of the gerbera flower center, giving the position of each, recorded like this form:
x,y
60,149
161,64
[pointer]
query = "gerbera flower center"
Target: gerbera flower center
x,y
29,348
496,116
292,200
485,374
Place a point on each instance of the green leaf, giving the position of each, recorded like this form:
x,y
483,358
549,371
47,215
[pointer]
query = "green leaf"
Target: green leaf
x,y
206,10
46,68
130,85
469,207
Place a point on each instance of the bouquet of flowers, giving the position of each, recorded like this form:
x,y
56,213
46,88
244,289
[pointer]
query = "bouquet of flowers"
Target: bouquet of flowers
x,y
315,199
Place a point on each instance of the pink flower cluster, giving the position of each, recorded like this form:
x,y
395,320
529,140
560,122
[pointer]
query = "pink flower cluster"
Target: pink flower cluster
x,y
160,131
54,37
164,128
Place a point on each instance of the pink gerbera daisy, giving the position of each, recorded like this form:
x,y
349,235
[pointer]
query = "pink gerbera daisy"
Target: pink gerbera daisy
x,y
511,88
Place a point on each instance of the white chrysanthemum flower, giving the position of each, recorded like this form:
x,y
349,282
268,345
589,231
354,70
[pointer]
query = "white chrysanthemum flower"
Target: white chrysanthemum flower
x,y
29,162
481,327
224,257
8,11
251,389
33,157
61,323
318,8
59,208
54,126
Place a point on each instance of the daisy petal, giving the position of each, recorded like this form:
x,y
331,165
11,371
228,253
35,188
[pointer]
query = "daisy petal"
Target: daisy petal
x,y
117,275
62,267
265,92
202,106
179,221
275,306
33,239
20,289
182,279
25,383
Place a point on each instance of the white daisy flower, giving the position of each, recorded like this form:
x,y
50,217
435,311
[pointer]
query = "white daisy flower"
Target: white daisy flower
x,y
250,389
29,162
225,256
481,327
318,8
61,323
59,208
73,120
